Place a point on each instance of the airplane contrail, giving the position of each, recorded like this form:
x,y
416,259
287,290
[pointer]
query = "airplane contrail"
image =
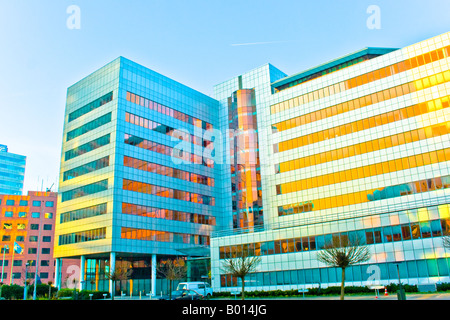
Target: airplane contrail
x,y
256,43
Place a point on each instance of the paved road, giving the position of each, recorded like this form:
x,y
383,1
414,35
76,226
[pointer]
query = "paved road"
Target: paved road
x,y
392,296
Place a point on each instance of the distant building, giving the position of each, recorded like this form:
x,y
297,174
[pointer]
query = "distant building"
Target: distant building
x,y
12,171
29,222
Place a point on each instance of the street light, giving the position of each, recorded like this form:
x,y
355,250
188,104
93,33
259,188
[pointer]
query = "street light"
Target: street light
x,y
401,292
5,247
38,248
25,290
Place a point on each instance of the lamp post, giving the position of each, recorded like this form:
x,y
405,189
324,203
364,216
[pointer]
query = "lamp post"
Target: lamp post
x,y
38,248
5,247
25,290
401,292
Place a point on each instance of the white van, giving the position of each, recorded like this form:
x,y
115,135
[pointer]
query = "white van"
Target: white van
x,y
201,287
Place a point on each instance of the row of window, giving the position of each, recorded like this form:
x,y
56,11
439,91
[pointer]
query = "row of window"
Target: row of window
x,y
83,213
12,168
372,195
394,140
364,101
82,236
167,171
13,161
24,203
414,161
30,251
30,275
90,106
167,130
163,236
360,125
86,168
79,192
403,232
325,72
363,79
11,175
159,191
32,263
22,226
6,238
166,150
134,98
387,271
152,212
94,124
23,214
87,147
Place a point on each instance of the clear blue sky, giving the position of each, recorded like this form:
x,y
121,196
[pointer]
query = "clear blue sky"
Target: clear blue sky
x,y
191,41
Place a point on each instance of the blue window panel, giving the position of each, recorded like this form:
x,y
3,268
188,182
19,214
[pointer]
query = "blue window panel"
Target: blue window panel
x,y
349,274
308,276
316,276
432,268
332,274
436,230
383,271
412,269
387,234
392,268
422,268
301,276
403,270
279,275
338,274
357,273
324,274
320,242
273,279
286,277
442,266
294,276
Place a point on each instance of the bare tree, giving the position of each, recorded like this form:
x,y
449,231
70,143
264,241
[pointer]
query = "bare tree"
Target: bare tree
x,y
175,269
240,265
342,253
119,273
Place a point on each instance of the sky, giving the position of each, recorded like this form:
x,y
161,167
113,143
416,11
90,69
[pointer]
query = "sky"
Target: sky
x,y
199,43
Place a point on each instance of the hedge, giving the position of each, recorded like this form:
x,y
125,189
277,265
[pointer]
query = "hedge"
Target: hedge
x,y
335,290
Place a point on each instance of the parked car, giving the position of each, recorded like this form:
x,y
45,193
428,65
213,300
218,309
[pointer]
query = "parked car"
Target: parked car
x,y
201,287
182,295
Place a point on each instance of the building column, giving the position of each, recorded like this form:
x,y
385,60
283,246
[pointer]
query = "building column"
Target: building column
x,y
153,274
58,273
112,268
82,272
97,263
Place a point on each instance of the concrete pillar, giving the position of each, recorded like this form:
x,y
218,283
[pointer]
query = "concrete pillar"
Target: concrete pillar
x,y
153,274
58,273
82,272
112,268
97,262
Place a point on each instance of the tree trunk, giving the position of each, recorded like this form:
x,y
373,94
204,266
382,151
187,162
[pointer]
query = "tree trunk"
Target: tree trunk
x,y
170,289
113,289
343,284
243,285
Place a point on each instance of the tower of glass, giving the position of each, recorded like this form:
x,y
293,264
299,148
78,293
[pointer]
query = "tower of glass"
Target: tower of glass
x,y
12,172
138,180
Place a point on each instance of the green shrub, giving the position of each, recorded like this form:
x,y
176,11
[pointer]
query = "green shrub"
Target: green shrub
x,y
65,293
393,287
13,292
443,286
42,290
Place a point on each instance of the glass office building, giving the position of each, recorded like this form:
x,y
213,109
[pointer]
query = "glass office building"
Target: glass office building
x,y
138,179
356,148
275,165
12,172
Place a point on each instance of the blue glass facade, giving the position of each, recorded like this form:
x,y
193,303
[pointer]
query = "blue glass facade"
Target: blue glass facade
x,y
12,172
